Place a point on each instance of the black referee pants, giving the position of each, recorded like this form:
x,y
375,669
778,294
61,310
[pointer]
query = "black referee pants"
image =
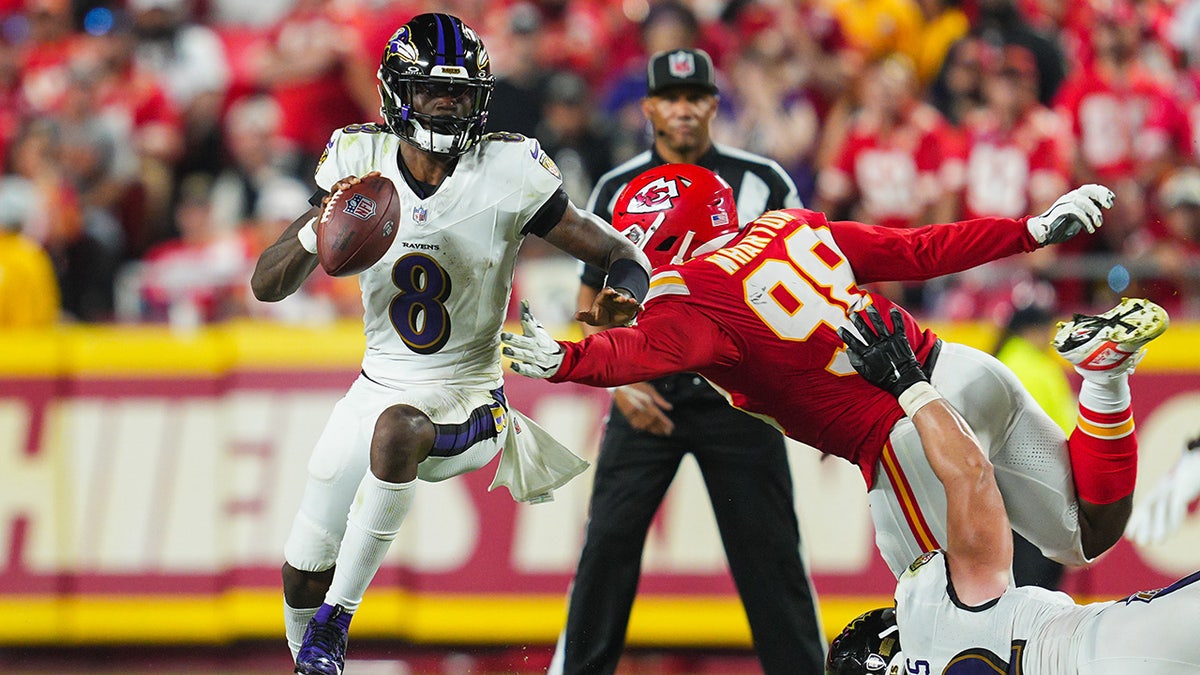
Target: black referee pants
x,y
744,464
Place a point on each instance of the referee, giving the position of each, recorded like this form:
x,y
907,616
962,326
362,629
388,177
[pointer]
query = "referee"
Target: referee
x,y
652,425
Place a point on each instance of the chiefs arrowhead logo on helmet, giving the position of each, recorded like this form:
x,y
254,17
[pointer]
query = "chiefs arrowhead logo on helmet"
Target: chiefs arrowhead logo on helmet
x,y
655,196
675,212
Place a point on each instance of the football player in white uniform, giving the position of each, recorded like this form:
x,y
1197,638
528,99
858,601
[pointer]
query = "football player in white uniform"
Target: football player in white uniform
x,y
429,403
957,610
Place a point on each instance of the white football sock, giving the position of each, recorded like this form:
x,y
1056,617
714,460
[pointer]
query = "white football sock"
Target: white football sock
x,y
294,623
370,529
1105,396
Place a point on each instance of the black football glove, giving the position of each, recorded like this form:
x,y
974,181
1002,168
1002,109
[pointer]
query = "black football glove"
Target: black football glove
x,y
886,360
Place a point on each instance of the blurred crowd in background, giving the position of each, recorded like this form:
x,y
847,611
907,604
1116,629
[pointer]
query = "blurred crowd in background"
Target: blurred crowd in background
x,y
152,148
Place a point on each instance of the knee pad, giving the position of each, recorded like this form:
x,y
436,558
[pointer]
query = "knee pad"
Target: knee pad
x,y
309,546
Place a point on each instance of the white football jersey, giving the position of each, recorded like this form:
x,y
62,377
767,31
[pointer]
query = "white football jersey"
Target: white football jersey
x,y
1041,629
434,305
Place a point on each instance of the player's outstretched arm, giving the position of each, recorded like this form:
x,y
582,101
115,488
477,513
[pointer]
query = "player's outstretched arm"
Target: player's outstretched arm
x,y
978,541
1161,513
590,239
895,254
643,407
670,338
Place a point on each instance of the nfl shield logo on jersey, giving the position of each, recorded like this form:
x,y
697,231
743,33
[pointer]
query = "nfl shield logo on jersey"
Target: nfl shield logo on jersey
x,y
681,63
360,207
419,214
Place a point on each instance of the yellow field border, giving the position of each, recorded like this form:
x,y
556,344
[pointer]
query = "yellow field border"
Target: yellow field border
x,y
102,351
1174,351
701,621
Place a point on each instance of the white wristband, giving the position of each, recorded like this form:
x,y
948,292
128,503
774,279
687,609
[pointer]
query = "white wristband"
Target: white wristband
x,y
308,236
918,396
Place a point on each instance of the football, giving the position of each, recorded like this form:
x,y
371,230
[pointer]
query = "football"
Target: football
x,y
358,226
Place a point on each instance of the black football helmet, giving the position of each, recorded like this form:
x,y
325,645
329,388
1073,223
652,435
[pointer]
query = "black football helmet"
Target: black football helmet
x,y
870,644
441,53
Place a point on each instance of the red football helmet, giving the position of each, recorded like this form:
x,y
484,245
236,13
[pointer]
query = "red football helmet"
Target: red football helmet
x,y
676,212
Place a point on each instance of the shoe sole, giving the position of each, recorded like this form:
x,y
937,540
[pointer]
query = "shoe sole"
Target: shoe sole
x,y
301,670
1142,330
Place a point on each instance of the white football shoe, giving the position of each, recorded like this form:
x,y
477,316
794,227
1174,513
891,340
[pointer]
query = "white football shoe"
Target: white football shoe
x,y
1109,345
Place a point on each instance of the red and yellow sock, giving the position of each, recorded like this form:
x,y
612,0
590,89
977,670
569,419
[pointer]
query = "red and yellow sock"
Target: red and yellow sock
x,y
1103,450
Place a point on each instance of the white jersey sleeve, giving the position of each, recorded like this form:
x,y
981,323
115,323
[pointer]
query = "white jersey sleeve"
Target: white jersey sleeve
x,y
529,174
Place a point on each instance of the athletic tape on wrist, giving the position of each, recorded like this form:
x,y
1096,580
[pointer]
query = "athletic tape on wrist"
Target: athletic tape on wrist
x,y
918,396
308,236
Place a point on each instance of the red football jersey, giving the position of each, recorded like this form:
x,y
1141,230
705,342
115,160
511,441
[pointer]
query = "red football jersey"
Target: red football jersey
x,y
1116,125
897,173
759,320
1014,171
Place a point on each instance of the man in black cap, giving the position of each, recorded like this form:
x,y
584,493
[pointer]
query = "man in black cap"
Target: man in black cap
x,y
652,425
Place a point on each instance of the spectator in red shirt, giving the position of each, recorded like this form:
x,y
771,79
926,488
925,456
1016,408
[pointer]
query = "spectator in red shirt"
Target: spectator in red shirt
x,y
322,77
12,103
99,161
129,99
1125,123
1016,161
202,276
189,62
44,55
901,163
1176,248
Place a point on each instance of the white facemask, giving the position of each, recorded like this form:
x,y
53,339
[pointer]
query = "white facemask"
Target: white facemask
x,y
431,141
